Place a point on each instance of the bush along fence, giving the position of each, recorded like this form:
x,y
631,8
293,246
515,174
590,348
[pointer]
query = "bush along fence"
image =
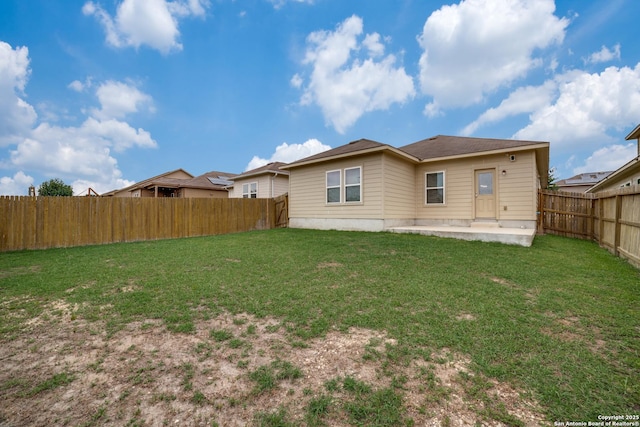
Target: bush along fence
x,y
610,218
47,222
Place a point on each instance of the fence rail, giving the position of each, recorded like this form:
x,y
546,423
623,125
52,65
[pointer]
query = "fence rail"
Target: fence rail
x,y
46,222
610,218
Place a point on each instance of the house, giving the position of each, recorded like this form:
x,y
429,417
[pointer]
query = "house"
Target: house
x,y
626,176
444,180
581,182
178,183
268,181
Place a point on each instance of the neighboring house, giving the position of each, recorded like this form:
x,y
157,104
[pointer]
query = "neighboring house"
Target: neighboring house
x,y
627,176
444,180
581,182
179,183
264,182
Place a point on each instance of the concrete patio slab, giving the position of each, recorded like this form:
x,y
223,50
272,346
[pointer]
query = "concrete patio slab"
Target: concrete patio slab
x,y
483,233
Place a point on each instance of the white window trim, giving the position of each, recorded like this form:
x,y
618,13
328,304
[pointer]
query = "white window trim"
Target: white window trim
x,y
327,187
359,184
247,194
444,188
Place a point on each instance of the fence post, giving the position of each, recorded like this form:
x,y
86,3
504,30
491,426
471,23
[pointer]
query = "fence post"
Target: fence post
x,y
601,222
540,212
617,216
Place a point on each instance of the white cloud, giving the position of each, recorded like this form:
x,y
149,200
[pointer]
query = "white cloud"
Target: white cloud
x,y
523,100
288,153
146,22
16,186
608,158
346,86
477,46
296,81
586,106
16,115
84,152
76,85
277,4
79,86
119,99
604,55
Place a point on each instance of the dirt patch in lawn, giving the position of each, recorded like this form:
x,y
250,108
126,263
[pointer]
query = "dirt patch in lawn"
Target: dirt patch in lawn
x,y
65,371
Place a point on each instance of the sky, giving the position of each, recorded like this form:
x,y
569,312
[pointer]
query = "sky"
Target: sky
x,y
104,93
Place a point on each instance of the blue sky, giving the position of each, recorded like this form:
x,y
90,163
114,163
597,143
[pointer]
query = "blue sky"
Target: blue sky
x,y
104,93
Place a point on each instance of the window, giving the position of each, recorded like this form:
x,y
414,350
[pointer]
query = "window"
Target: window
x,y
352,185
250,191
434,189
333,187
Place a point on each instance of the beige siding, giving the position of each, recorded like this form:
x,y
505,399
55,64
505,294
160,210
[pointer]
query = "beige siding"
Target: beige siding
x,y
631,179
307,192
280,185
268,186
516,190
399,195
194,192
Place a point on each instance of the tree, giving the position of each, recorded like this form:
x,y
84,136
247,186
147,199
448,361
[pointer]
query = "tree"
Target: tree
x,y
55,187
551,180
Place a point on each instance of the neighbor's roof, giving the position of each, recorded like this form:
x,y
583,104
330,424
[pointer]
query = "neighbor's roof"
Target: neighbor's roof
x,y
270,168
147,181
627,170
213,180
443,146
588,178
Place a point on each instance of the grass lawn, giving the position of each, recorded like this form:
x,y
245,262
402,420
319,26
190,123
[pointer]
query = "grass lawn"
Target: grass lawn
x,y
558,322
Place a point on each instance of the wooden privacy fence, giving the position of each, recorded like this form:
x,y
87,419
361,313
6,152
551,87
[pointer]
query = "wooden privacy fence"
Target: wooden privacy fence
x,y
611,218
47,222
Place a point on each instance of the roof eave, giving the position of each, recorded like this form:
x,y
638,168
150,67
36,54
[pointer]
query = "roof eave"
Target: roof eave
x,y
620,173
264,172
635,134
536,146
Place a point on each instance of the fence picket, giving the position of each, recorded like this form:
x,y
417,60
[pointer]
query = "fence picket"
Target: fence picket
x,y
611,218
46,222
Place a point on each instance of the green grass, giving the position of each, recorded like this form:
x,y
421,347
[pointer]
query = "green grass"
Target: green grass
x,y
521,302
267,377
57,380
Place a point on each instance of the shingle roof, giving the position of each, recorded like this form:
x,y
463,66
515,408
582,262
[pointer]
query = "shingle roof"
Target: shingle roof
x,y
273,167
588,178
450,146
147,181
352,147
213,180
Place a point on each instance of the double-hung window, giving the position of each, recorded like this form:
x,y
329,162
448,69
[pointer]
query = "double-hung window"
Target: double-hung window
x,y
434,188
344,185
352,186
250,191
334,186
